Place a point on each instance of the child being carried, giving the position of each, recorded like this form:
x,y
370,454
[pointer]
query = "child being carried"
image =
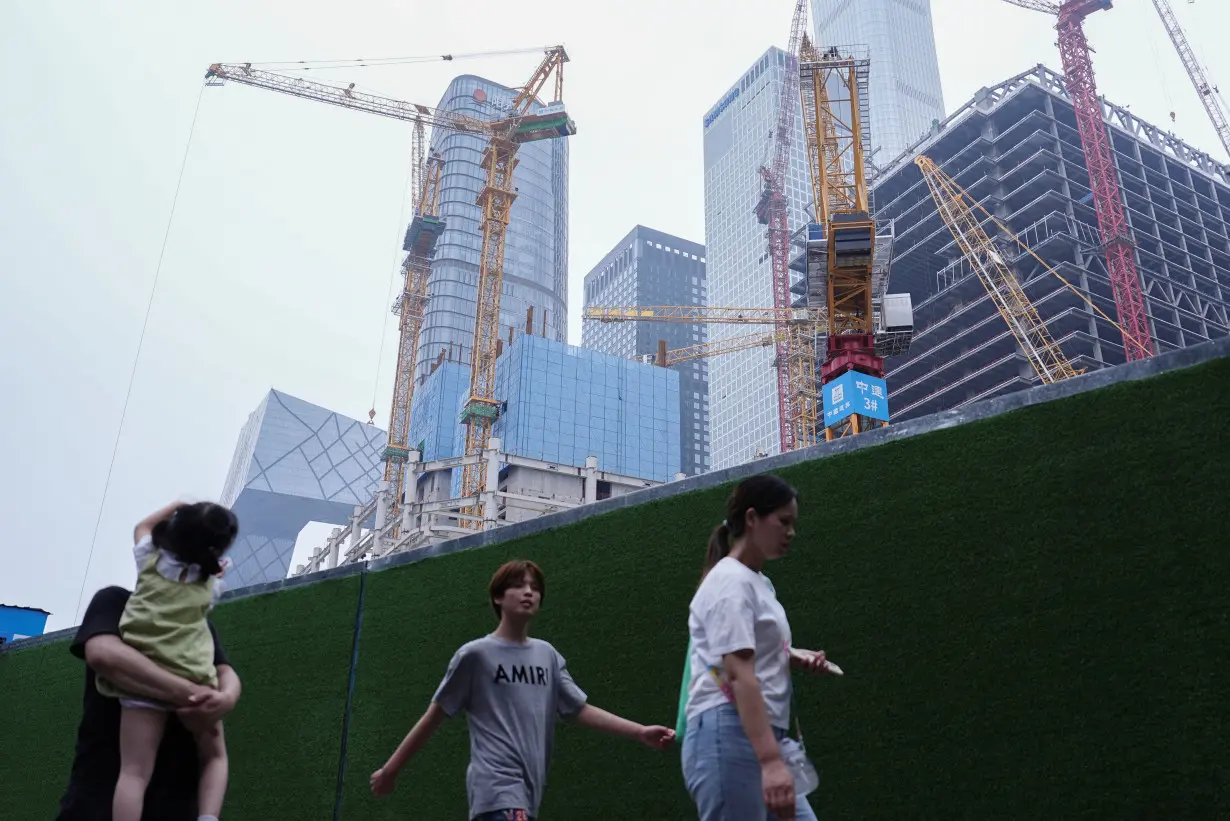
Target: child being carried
x,y
179,553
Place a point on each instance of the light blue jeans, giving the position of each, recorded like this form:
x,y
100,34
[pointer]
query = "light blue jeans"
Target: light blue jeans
x,y
721,771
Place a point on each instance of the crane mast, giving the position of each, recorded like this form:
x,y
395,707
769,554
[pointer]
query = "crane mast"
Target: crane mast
x,y
496,199
1209,95
1117,241
834,96
1031,333
773,210
421,237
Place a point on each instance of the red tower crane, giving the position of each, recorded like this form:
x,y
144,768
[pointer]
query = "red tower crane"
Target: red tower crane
x,y
1108,201
773,210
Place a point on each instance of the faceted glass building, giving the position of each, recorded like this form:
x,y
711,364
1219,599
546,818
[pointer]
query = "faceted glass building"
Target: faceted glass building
x,y
1016,149
536,250
295,463
743,386
648,267
904,92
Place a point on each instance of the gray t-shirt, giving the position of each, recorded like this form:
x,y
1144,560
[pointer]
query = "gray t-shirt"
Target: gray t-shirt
x,y
511,694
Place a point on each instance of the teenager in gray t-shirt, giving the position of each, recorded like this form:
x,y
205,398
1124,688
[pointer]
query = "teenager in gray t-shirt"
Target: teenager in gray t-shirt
x,y
512,688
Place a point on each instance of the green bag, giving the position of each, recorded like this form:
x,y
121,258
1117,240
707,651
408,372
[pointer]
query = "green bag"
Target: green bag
x,y
681,720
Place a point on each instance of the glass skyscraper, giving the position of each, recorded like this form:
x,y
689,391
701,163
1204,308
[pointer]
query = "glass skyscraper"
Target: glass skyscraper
x,y
648,267
536,250
737,142
904,86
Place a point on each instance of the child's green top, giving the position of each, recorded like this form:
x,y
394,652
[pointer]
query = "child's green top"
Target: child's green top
x,y
165,618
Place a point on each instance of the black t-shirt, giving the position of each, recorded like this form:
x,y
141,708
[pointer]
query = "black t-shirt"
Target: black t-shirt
x,y
172,791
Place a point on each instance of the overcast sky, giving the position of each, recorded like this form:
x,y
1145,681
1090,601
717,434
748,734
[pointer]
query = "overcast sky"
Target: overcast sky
x,y
283,247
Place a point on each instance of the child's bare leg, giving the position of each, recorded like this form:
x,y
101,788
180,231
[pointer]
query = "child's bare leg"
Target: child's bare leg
x,y
211,750
140,734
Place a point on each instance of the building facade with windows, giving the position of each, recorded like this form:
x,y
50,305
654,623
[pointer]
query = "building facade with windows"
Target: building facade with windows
x,y
904,88
536,249
1015,148
562,404
743,420
645,268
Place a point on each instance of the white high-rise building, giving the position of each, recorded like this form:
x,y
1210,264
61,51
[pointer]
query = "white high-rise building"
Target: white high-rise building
x,y
904,92
738,141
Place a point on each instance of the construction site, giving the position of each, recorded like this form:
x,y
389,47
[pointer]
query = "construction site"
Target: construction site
x,y
982,340
1036,234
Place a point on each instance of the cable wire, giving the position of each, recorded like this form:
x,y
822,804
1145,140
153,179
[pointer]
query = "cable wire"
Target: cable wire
x,y
137,357
362,62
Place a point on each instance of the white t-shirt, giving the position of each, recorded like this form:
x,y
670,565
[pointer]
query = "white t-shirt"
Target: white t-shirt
x,y
736,609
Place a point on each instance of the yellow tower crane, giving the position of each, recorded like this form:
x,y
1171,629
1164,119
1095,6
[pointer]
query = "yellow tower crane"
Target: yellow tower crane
x,y
527,120
953,202
842,252
425,229
717,347
790,323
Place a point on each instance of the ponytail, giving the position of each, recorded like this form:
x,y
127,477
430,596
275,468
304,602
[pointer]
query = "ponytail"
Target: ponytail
x,y
763,494
719,547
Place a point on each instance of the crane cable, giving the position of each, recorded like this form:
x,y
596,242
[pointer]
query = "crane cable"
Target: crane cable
x,y
362,62
132,376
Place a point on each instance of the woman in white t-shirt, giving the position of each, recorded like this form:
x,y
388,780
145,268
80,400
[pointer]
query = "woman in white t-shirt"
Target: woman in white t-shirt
x,y
739,694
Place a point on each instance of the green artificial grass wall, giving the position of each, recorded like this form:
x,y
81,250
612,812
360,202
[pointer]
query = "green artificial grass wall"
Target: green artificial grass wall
x,y
40,697
292,652
1032,613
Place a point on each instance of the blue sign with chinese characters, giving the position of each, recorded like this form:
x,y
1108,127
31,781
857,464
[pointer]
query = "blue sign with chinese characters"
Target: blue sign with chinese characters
x,y
854,392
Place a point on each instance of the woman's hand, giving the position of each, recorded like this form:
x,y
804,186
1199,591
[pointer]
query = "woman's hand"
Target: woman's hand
x,y
810,660
778,786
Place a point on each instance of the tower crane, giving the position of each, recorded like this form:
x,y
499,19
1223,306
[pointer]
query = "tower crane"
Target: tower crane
x,y
1210,95
1116,235
773,210
504,137
720,347
701,314
420,243
842,253
1031,333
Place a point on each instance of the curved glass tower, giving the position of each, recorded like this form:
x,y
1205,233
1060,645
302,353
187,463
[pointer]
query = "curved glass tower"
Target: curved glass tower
x,y
536,249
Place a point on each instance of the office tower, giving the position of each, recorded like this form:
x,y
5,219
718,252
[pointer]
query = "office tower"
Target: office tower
x,y
738,132
1017,148
904,87
648,267
536,250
